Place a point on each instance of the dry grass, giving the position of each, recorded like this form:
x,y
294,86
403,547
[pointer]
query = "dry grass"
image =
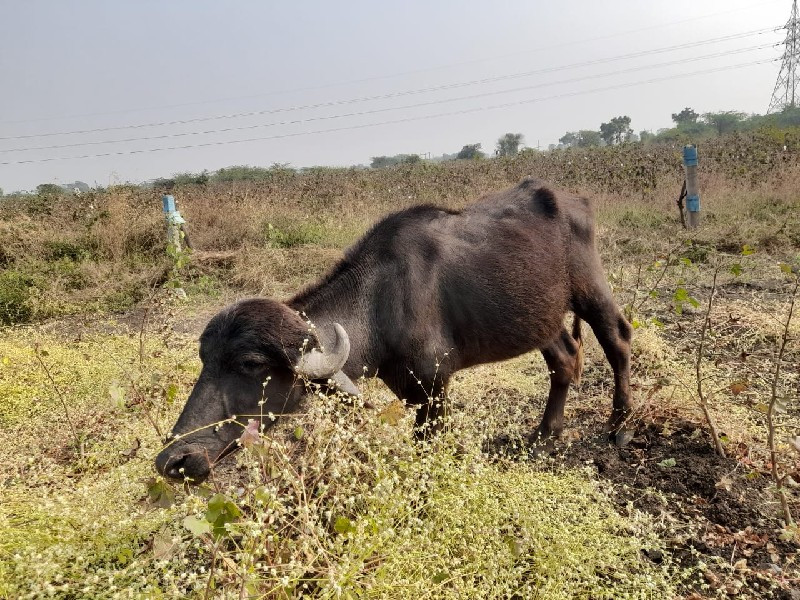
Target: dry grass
x,y
74,521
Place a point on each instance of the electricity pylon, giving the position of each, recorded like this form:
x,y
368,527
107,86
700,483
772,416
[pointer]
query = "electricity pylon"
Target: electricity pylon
x,y
785,92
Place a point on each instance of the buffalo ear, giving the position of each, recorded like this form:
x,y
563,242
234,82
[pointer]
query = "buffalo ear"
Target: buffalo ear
x,y
317,364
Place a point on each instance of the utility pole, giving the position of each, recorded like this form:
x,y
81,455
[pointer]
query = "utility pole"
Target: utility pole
x,y
785,92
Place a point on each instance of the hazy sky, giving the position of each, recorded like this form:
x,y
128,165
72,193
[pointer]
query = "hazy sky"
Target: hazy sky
x,y
71,66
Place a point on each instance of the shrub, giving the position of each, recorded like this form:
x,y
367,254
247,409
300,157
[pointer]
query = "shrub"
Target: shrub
x,y
297,234
14,297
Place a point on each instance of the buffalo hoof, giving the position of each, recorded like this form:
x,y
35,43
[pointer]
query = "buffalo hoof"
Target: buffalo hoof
x,y
540,444
619,432
622,437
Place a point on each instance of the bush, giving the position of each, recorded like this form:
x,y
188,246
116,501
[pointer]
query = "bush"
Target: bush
x,y
294,234
14,296
58,249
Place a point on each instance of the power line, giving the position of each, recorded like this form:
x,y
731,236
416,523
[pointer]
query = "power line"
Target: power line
x,y
395,121
394,108
456,85
402,73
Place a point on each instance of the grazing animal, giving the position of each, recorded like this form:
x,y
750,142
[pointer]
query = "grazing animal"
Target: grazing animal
x,y
426,292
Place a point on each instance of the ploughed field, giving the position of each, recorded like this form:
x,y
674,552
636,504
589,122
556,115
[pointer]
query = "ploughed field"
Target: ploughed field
x,y
98,354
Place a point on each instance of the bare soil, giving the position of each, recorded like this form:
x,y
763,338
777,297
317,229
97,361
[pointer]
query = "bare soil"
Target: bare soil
x,y
716,514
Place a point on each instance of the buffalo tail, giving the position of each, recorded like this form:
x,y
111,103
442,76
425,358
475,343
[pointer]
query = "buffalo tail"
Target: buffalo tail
x,y
576,335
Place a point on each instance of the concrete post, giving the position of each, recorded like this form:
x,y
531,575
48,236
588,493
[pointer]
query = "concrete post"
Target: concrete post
x,y
692,190
174,221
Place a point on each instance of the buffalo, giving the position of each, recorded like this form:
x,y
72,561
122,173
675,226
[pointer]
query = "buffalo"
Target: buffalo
x,y
425,292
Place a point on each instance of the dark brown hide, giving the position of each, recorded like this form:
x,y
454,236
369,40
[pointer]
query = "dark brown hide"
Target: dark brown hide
x,y
428,291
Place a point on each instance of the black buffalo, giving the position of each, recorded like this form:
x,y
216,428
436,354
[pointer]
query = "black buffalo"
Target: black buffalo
x,y
426,292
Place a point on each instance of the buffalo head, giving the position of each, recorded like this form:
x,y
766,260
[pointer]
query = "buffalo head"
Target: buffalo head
x,y
257,356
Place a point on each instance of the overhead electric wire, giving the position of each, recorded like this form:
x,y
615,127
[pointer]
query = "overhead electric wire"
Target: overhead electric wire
x,y
549,47
417,91
392,108
395,121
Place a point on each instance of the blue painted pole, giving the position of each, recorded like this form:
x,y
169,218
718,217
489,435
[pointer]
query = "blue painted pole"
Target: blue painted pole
x,y
174,221
690,163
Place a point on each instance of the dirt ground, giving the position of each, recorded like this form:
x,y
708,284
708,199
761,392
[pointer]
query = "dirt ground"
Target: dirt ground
x,y
716,514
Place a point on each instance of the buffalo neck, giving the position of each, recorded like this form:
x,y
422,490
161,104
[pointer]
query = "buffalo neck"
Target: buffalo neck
x,y
339,298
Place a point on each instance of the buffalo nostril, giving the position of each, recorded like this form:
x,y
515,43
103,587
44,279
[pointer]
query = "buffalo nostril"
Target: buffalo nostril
x,y
175,467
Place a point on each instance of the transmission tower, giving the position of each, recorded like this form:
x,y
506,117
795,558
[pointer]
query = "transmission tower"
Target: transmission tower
x,y
785,91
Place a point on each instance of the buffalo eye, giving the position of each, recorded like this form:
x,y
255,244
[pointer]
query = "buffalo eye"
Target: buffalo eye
x,y
252,366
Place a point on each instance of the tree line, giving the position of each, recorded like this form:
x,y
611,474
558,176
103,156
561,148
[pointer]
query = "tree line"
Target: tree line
x,y
689,127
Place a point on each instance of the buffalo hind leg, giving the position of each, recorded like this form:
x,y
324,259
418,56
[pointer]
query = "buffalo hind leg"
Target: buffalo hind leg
x,y
564,358
614,334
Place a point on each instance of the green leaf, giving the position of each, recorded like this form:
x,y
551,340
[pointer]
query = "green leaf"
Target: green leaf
x,y
736,269
747,250
197,526
343,525
786,268
159,493
667,462
693,301
262,495
392,413
680,295
220,512
298,433
657,323
171,393
441,577
686,261
117,395
636,324
762,407
654,293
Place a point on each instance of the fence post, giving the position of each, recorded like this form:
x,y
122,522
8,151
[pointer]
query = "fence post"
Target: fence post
x,y
692,191
174,221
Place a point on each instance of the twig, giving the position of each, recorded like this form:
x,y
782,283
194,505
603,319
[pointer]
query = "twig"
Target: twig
x,y
658,280
773,401
78,444
630,308
680,204
698,369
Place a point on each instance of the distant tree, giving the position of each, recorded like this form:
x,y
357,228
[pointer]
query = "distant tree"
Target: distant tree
x,y
585,138
687,115
242,173
788,117
470,151
646,135
569,139
191,178
49,189
725,121
588,138
381,162
508,145
1,192
617,130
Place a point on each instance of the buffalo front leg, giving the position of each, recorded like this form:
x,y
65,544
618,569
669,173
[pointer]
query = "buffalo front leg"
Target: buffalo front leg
x,y
429,399
564,360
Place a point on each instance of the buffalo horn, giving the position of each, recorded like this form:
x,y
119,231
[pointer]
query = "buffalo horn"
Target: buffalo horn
x,y
322,365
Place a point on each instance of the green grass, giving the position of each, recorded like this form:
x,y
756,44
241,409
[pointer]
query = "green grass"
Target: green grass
x,y
382,520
